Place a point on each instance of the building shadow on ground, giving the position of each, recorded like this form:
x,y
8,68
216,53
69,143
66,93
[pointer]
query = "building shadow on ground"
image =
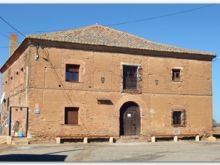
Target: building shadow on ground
x,y
31,157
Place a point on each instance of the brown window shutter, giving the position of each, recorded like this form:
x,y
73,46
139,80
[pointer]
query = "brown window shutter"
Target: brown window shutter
x,y
71,115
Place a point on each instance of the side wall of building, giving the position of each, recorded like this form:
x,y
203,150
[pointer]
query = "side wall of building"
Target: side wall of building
x,y
14,89
50,93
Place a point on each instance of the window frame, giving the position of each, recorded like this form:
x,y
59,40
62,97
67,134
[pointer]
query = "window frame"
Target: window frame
x,y
173,77
66,115
138,67
182,121
74,70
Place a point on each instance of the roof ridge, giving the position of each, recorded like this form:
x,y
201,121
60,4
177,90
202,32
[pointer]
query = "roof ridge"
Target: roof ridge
x,y
80,28
153,42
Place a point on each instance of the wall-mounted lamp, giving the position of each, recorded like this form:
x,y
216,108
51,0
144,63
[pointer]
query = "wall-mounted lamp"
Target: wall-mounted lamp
x,y
103,80
36,57
37,109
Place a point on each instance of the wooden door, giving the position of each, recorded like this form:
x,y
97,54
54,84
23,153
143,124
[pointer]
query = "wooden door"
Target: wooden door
x,y
131,119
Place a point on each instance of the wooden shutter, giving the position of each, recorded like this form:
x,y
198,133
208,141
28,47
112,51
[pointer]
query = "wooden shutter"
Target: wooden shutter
x,y
71,115
183,118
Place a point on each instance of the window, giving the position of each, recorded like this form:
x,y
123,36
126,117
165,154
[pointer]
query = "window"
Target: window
x,y
72,72
71,115
130,77
178,118
104,101
176,74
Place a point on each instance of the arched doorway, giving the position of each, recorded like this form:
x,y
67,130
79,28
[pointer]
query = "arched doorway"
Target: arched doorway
x,y
129,119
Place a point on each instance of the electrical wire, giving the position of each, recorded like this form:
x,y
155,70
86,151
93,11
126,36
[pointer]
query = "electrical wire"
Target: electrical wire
x,y
120,23
13,27
37,31
216,59
161,16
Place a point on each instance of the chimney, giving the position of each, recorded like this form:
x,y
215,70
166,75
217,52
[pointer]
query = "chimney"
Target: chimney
x,y
13,43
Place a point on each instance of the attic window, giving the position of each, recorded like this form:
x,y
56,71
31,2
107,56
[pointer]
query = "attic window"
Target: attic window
x,y
176,74
17,73
22,69
11,78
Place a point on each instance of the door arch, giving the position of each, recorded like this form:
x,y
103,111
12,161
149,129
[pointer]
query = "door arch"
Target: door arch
x,y
129,119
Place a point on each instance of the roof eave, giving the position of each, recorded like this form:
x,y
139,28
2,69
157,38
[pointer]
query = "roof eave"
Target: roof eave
x,y
184,52
180,52
16,53
28,40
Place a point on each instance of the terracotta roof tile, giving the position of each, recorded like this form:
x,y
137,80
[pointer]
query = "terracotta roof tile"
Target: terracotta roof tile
x,y
101,35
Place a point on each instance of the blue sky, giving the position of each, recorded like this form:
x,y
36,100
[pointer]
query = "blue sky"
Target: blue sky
x,y
199,30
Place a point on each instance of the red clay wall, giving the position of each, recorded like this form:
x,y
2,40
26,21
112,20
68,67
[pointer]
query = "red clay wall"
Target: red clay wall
x,y
193,93
14,85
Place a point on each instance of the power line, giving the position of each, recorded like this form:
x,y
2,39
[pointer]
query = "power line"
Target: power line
x,y
115,24
132,21
161,16
12,26
216,59
37,31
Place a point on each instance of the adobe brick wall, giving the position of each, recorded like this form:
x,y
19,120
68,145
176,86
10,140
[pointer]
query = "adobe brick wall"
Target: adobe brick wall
x,y
194,93
14,81
14,85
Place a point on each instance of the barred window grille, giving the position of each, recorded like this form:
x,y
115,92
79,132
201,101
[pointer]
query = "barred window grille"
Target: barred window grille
x,y
178,118
130,77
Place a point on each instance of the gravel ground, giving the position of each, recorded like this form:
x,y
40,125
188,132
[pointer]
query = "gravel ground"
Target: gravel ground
x,y
117,152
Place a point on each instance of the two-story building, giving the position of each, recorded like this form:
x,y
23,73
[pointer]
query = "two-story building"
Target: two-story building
x,y
100,81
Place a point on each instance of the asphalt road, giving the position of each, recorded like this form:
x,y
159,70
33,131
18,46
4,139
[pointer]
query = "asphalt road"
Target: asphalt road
x,y
117,152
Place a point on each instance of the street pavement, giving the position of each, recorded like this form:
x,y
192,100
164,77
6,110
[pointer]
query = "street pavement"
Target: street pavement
x,y
116,152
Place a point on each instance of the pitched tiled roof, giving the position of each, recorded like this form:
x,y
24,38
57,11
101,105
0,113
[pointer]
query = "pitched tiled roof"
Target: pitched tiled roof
x,y
101,35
